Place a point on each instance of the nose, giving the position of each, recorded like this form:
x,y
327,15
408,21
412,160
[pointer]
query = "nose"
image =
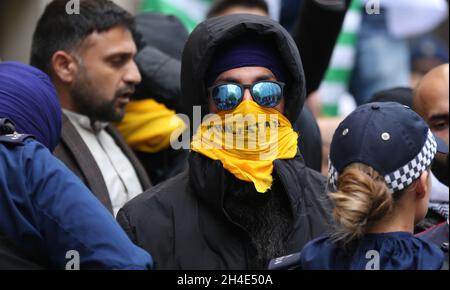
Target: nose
x,y
247,95
132,74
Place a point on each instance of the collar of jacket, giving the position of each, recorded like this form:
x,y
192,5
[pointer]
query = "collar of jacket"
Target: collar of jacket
x,y
72,149
209,181
86,123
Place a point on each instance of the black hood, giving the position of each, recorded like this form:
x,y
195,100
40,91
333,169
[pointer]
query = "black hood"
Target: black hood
x,y
171,36
208,35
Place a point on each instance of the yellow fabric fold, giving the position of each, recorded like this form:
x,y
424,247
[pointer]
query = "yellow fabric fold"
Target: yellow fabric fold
x,y
247,140
148,125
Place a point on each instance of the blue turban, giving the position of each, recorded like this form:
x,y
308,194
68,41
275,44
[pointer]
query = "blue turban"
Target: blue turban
x,y
246,50
29,99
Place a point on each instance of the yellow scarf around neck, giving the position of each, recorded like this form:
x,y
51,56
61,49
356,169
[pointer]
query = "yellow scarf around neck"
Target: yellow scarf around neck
x,y
247,140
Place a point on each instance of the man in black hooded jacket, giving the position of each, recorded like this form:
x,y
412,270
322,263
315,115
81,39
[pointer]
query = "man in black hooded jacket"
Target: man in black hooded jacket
x,y
209,217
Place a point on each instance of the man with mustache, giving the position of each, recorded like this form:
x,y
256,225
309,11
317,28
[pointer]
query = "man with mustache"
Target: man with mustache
x,y
236,207
90,58
431,100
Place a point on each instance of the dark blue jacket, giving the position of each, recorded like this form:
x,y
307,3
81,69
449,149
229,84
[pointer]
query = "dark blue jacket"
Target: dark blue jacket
x,y
439,236
47,211
384,251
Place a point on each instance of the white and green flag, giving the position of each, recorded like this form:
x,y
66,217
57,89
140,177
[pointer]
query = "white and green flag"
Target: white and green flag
x,y
190,12
334,87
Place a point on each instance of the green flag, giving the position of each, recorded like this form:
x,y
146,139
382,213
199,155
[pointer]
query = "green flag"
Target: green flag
x,y
336,81
190,12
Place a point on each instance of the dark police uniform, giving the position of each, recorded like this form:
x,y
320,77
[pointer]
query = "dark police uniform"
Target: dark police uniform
x,y
12,257
381,251
46,213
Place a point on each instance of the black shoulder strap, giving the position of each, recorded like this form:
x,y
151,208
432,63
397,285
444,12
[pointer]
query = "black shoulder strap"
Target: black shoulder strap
x,y
289,262
14,139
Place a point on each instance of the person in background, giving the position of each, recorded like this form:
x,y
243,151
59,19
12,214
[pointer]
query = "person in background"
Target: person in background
x,y
431,100
150,121
316,33
427,52
90,59
401,95
289,13
46,213
438,233
379,192
382,49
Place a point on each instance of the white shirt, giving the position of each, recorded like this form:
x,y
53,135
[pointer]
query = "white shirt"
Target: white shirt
x,y
118,173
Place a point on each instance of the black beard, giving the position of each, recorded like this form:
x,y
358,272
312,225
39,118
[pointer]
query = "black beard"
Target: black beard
x,y
267,217
84,94
100,112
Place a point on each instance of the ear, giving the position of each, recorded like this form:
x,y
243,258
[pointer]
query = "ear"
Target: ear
x,y
423,185
65,66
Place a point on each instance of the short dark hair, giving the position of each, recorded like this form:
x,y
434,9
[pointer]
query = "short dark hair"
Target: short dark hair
x,y
221,5
58,30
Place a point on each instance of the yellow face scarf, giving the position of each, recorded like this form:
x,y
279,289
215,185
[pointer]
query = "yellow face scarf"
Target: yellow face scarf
x,y
247,140
148,125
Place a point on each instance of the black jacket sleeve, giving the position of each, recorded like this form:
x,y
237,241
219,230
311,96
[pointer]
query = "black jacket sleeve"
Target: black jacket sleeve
x,y
124,222
11,258
160,77
315,34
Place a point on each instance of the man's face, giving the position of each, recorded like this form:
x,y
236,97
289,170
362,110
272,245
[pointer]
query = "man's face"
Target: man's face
x,y
245,76
107,75
432,103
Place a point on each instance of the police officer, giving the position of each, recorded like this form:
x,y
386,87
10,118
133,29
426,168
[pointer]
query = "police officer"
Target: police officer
x,y
46,213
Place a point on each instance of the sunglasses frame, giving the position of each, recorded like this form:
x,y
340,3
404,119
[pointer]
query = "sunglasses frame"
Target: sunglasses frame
x,y
250,88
